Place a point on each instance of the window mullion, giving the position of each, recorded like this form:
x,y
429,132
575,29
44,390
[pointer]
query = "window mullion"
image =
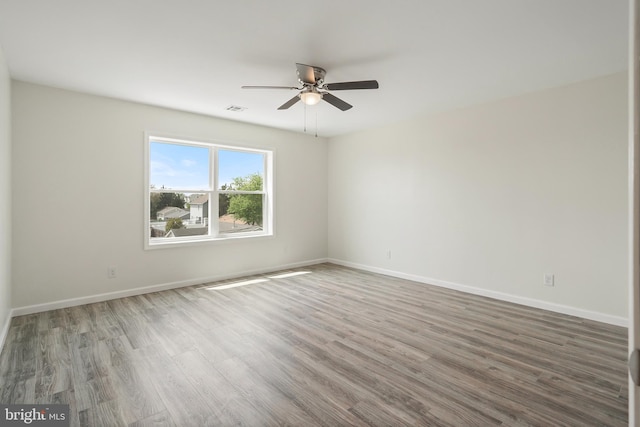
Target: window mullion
x,y
266,192
214,209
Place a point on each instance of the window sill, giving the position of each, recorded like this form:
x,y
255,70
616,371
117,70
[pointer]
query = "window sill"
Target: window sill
x,y
178,242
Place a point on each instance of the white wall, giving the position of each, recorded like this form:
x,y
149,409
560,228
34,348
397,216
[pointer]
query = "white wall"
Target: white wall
x,y
78,197
5,197
491,197
487,198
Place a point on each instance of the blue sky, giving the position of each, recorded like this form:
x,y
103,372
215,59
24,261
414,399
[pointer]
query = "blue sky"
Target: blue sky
x,y
187,167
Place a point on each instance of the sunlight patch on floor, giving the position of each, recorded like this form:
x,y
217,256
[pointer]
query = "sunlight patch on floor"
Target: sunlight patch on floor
x,y
293,274
255,281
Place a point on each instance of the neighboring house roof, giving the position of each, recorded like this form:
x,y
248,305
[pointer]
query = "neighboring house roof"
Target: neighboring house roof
x,y
173,212
241,229
200,199
168,209
182,232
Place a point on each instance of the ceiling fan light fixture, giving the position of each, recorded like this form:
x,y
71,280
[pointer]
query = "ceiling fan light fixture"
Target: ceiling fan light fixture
x,y
314,89
310,98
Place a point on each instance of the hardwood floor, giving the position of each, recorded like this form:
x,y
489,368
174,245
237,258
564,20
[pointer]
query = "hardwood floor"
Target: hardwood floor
x,y
325,345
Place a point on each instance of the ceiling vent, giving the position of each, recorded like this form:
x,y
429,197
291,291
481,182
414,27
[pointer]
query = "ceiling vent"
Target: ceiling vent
x,y
236,108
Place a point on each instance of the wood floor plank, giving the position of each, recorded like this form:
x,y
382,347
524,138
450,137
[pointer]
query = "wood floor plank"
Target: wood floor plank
x,y
54,362
317,346
103,415
131,318
185,405
226,402
91,383
138,398
103,321
18,390
304,392
67,397
162,419
275,408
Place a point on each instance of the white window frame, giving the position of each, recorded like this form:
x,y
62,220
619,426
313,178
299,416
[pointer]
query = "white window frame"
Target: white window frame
x,y
213,192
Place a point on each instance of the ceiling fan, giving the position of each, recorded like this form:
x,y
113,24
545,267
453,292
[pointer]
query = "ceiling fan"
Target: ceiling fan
x,y
315,89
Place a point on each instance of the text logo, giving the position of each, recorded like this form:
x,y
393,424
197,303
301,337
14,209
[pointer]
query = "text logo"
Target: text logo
x,y
34,415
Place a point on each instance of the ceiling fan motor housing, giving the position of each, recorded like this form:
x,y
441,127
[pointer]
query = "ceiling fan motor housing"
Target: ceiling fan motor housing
x,y
306,78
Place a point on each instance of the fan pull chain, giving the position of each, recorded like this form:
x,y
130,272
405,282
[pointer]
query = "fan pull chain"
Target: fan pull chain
x,y
305,120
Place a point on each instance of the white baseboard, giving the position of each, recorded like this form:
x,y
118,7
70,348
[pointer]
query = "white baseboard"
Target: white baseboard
x,y
72,302
545,305
530,302
5,329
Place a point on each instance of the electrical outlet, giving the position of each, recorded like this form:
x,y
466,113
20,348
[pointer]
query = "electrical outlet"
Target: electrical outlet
x,y
111,272
548,280
388,253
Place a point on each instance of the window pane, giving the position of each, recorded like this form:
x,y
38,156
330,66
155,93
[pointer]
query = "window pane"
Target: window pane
x,y
178,167
178,215
240,169
240,213
192,182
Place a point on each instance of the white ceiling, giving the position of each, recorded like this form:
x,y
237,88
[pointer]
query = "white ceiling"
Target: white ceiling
x,y
428,55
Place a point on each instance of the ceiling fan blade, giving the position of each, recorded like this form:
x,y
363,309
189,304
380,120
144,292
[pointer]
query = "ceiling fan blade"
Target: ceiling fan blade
x,y
289,103
306,74
271,87
336,102
363,84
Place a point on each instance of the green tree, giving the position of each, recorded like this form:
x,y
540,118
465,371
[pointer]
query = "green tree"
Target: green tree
x,y
172,224
223,201
247,207
159,201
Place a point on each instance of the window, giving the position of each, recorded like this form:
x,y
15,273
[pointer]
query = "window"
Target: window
x,y
199,191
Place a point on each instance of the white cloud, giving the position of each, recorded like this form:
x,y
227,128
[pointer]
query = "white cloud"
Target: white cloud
x,y
162,169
